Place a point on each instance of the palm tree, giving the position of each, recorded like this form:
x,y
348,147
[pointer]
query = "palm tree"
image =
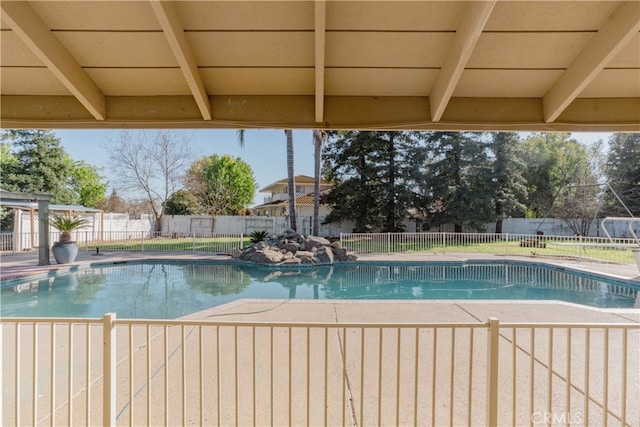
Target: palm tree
x,y
290,175
319,138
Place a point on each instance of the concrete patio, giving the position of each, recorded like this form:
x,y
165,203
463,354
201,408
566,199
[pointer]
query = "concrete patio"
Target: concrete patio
x,y
285,375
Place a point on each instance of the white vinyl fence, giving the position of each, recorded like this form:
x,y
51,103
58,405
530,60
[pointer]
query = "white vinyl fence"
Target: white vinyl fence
x,y
183,372
186,224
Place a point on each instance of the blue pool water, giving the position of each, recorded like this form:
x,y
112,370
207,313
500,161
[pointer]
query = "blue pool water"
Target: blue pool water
x,y
173,289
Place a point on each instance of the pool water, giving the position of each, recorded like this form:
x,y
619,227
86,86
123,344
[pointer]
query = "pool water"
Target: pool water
x,y
169,290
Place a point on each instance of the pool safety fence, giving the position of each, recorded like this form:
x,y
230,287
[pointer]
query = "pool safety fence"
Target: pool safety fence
x,y
114,371
117,241
598,249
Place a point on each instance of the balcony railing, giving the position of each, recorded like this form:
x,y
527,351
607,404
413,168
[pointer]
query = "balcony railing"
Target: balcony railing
x,y
156,372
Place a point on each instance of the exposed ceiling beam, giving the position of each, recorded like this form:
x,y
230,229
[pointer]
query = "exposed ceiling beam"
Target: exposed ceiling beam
x,y
30,28
320,28
341,112
465,40
620,28
174,32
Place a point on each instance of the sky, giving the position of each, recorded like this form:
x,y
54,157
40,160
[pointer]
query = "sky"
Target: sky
x,y
264,150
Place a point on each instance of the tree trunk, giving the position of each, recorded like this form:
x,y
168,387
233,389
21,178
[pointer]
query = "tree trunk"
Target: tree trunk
x,y
319,138
291,181
391,202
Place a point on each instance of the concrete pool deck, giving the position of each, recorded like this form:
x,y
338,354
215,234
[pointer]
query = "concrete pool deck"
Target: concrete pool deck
x,y
325,311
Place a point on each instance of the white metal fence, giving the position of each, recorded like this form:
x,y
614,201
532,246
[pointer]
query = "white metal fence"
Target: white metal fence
x,y
146,372
90,241
598,249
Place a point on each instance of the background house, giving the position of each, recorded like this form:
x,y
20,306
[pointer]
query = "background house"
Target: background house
x,y
277,204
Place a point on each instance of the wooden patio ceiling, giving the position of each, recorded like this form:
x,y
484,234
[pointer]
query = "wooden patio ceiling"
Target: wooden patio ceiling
x,y
441,65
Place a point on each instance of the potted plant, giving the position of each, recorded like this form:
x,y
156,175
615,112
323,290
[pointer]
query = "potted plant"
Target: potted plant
x,y
65,250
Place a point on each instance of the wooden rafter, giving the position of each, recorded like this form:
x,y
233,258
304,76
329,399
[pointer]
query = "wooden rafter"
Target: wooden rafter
x,y
620,28
464,42
320,28
174,32
30,28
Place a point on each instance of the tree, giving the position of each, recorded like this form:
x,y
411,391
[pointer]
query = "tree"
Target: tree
x,y
623,172
40,165
509,185
151,164
552,161
114,203
319,138
88,185
578,203
291,183
222,185
290,175
8,163
347,163
370,169
454,180
182,202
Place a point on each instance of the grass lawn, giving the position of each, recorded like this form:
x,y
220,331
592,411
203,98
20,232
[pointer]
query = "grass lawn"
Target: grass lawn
x,y
165,244
489,245
552,248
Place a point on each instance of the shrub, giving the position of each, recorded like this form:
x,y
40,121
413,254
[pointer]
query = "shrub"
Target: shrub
x,y
258,236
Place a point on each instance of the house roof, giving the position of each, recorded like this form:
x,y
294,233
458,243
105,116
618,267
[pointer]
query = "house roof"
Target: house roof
x,y
299,179
306,199
387,64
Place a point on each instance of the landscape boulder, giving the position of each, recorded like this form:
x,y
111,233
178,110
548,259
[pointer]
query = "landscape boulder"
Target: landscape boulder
x,y
293,249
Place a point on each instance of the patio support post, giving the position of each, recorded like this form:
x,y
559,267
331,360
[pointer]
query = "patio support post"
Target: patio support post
x,y
493,335
43,232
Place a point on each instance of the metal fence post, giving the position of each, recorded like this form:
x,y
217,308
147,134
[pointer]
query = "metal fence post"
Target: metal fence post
x,y
109,370
580,246
493,336
142,241
506,244
388,242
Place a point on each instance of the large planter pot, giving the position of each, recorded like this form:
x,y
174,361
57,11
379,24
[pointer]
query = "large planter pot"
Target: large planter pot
x,y
65,252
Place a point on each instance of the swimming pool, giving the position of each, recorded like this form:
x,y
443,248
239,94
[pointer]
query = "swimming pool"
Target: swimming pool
x,y
172,289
